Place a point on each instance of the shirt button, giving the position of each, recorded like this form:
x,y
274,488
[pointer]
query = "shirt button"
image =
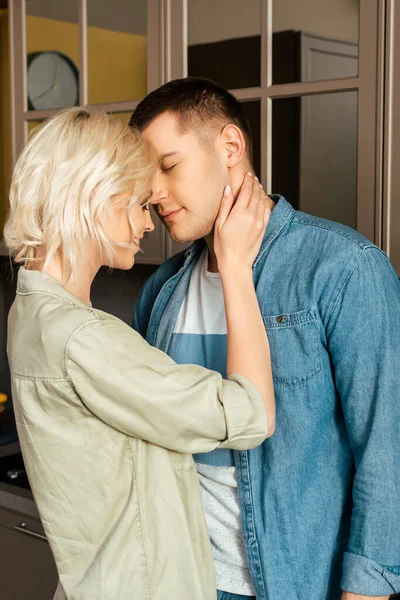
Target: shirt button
x,y
280,319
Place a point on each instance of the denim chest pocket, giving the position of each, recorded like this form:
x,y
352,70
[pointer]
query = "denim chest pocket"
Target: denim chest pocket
x,y
294,344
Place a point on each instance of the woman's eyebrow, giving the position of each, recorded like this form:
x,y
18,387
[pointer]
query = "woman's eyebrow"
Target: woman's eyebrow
x,y
168,154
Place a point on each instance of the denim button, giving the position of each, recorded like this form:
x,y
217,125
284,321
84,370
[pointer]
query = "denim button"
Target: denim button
x,y
280,319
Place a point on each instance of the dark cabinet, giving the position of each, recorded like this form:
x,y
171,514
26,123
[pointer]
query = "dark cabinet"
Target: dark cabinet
x,y
27,568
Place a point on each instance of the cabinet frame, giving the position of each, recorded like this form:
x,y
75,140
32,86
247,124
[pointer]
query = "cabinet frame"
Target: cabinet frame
x,y
167,59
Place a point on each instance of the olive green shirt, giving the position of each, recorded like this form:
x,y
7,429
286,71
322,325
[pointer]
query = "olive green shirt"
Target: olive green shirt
x,y
107,425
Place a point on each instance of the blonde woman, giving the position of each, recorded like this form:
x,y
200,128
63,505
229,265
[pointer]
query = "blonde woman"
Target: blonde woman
x,y
107,424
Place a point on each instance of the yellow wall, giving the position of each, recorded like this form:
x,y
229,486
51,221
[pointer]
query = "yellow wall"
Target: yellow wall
x,y
117,62
117,71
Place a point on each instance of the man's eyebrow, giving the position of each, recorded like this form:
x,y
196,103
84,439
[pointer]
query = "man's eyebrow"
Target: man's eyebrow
x,y
168,154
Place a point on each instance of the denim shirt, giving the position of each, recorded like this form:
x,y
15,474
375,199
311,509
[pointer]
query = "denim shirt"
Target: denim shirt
x,y
320,499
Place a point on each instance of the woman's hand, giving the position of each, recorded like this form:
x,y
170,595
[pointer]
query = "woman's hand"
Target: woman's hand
x,y
240,226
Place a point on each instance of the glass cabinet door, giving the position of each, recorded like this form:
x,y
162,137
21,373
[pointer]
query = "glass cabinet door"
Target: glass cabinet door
x,y
116,50
52,46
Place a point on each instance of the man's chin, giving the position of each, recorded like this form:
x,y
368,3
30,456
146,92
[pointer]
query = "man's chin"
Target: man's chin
x,y
180,236
182,239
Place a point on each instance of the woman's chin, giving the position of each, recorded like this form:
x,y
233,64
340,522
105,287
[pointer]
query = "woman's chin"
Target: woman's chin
x,y
124,263
127,264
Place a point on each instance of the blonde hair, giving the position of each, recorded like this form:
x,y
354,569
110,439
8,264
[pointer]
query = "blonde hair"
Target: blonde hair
x,y
64,181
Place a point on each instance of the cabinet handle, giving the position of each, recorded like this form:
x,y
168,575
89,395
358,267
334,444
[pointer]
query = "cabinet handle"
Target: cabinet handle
x,y
22,529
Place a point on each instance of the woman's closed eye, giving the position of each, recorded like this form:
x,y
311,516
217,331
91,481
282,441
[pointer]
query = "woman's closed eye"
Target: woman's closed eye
x,y
168,169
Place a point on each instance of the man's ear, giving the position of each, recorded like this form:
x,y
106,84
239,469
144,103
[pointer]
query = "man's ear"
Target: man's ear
x,y
234,144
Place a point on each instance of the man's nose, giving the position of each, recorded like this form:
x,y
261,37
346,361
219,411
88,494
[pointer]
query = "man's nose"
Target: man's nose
x,y
159,190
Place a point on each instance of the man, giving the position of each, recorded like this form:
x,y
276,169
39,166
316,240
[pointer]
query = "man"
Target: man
x,y
313,512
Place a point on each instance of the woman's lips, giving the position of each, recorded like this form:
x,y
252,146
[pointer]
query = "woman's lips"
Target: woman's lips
x,y
171,216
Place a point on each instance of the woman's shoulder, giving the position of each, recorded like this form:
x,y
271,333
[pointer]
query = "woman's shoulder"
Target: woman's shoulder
x,y
102,327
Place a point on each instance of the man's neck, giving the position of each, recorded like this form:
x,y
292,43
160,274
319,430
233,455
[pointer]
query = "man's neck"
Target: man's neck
x,y
236,184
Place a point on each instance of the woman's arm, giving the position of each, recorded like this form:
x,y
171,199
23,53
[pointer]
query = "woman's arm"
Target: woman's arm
x,y
238,235
143,393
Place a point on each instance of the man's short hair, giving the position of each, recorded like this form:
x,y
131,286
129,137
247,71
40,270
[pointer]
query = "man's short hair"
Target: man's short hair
x,y
199,104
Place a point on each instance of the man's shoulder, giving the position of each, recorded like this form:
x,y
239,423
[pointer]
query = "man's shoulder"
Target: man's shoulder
x,y
319,252
322,229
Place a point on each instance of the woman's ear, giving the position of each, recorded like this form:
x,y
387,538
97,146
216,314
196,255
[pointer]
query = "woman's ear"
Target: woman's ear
x,y
234,144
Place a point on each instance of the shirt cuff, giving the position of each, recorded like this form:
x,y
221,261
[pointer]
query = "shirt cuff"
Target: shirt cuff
x,y
245,414
366,577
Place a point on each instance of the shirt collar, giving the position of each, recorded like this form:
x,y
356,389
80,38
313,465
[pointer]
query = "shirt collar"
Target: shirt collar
x,y
30,282
281,215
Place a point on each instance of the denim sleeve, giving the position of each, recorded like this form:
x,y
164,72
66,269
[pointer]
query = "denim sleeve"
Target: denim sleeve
x,y
143,307
364,342
137,321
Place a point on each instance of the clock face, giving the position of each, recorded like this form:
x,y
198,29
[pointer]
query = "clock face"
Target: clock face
x,y
53,81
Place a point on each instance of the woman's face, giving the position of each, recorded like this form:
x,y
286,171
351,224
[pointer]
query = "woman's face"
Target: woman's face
x,y
120,231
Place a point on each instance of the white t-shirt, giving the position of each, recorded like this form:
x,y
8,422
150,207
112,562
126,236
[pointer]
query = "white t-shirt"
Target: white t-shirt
x,y
200,337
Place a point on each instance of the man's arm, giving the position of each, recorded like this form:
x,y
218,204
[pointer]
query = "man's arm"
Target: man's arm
x,y
142,309
364,342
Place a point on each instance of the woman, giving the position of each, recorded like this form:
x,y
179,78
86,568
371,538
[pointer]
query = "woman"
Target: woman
x,y
107,424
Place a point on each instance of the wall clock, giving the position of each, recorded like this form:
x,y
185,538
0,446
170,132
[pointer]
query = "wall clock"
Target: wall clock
x,y
52,80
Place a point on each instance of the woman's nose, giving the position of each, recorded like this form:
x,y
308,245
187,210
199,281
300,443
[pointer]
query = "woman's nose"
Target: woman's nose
x,y
149,225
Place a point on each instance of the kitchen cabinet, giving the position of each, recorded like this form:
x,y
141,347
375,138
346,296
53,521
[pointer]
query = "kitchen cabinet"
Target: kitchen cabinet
x,y
391,175
27,568
5,128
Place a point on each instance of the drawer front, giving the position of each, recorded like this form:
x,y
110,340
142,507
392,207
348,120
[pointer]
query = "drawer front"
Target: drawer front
x,y
25,526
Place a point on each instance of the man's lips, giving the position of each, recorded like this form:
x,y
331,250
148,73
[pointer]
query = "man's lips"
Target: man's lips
x,y
170,215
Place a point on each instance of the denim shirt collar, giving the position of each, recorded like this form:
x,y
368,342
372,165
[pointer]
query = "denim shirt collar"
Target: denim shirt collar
x,y
162,320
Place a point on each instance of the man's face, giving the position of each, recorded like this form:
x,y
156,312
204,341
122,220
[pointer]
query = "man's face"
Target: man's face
x,y
189,181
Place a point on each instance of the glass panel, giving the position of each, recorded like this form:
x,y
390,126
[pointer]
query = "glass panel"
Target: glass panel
x,y
117,50
52,38
225,42
314,154
314,40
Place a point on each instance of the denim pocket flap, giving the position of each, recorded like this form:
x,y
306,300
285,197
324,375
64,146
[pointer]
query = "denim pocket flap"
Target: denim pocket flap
x,y
294,343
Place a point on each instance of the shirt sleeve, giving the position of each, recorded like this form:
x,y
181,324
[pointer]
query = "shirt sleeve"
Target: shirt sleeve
x,y
364,342
143,307
142,392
